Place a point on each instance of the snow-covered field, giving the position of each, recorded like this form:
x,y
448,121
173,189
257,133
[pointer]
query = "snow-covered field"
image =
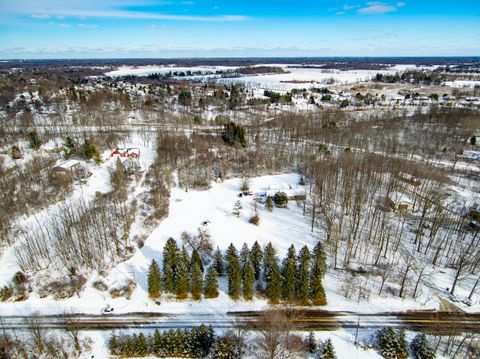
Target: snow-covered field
x,y
188,210
294,77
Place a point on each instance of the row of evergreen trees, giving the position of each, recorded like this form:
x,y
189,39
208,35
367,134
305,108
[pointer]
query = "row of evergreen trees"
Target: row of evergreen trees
x,y
195,342
182,274
298,279
392,344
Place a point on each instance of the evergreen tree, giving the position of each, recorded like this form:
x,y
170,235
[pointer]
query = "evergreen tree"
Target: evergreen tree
x,y
320,259
244,256
89,150
157,343
70,146
218,262
274,283
182,280
327,351
196,260
141,344
312,343
170,259
303,276
269,204
113,344
248,280
421,348
256,258
236,208
269,258
229,254
392,343
202,339
197,282
211,283
319,269
224,348
185,257
234,272
154,280
168,284
289,275
34,140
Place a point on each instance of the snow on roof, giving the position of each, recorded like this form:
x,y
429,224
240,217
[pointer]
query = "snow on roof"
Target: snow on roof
x,y
399,197
67,164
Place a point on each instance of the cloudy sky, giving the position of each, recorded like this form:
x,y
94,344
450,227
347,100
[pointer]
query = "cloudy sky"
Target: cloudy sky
x,y
207,28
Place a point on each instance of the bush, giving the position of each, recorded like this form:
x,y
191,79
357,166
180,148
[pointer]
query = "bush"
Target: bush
x,y
280,199
255,219
100,285
6,293
185,98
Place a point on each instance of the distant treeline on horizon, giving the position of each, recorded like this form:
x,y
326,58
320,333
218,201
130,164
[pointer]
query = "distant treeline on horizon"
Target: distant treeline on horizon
x,y
329,62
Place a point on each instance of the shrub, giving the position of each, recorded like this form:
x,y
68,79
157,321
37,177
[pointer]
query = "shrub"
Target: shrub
x,y
255,219
280,199
100,285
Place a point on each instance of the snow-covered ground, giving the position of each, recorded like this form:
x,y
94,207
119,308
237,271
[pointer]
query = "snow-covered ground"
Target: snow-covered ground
x,y
462,83
187,211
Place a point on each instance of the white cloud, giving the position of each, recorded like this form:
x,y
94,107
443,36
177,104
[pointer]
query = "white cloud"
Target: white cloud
x,y
64,25
40,16
376,7
400,4
87,26
350,7
340,13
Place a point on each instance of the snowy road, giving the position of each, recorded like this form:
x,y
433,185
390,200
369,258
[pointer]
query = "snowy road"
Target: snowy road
x,y
438,322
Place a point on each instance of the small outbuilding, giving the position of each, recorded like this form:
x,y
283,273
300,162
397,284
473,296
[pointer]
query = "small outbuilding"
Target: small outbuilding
x,y
400,202
72,168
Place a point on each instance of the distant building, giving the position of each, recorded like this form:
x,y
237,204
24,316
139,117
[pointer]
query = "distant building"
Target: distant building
x,y
72,168
400,202
127,152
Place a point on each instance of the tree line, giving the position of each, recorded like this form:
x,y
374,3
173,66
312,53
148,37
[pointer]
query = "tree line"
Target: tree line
x,y
297,279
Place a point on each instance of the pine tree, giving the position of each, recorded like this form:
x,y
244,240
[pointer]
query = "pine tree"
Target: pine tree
x,y
312,343
34,140
234,272
170,259
319,269
244,256
269,258
211,283
141,344
154,280
229,254
392,343
269,204
289,275
218,262
196,286
236,208
320,259
196,260
69,145
421,348
303,276
328,351
185,257
224,348
248,280
256,258
113,345
274,283
168,284
182,280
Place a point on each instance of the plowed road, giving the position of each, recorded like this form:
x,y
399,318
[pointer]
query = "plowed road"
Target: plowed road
x,y
435,322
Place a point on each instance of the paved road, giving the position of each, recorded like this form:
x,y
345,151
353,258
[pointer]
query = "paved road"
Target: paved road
x,y
434,322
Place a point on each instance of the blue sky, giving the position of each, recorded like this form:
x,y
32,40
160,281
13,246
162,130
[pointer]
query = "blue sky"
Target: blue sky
x,y
207,28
